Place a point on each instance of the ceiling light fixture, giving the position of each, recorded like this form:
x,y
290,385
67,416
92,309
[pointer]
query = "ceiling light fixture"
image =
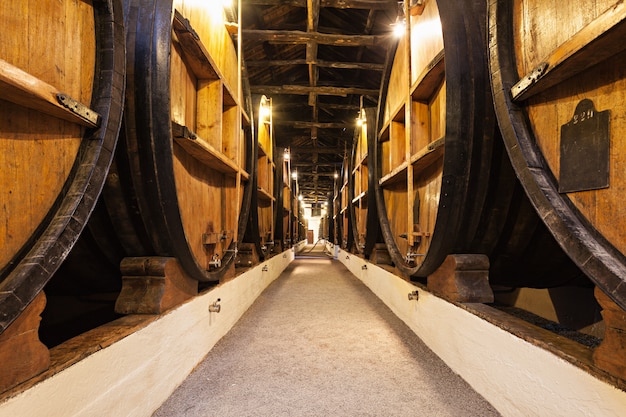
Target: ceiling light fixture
x,y
399,26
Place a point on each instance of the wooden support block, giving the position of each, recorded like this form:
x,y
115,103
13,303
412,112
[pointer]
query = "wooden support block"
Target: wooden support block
x,y
151,285
611,354
462,278
228,273
380,255
247,256
22,355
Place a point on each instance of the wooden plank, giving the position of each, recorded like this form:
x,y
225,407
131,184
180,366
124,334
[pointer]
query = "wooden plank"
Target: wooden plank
x,y
21,88
597,41
209,112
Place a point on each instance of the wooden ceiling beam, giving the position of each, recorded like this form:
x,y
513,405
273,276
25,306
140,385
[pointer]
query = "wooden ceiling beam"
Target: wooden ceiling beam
x,y
307,149
337,4
313,125
305,90
320,63
297,36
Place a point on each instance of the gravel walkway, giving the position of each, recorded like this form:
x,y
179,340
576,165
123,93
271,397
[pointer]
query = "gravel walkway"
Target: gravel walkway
x,y
317,342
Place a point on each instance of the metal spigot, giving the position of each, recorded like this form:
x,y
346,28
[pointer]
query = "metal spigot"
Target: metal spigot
x,y
414,295
215,307
364,266
215,261
410,256
234,250
265,268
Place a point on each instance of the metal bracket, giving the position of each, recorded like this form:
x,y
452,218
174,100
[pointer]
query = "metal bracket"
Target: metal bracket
x,y
531,78
79,109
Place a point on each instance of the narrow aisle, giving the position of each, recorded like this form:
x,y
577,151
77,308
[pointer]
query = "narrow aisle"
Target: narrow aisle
x,y
317,342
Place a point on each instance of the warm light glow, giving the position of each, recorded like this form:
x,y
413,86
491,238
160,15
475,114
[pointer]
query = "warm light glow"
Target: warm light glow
x,y
336,175
399,28
359,121
300,197
294,175
226,3
286,154
265,109
264,112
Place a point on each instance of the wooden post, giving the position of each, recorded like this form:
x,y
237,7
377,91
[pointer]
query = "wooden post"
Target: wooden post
x,y
151,285
462,278
22,355
611,354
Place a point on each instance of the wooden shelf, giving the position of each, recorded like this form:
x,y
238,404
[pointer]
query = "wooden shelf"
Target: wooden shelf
x,y
245,118
429,80
398,174
198,58
204,152
362,196
598,41
23,89
360,163
429,154
264,195
420,160
397,116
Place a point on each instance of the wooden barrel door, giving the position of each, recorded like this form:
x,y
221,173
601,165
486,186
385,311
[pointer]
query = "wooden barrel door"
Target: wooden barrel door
x,y
62,78
185,159
559,105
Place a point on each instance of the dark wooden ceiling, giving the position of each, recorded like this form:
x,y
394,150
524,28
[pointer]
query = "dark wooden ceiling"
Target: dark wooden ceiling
x,y
317,60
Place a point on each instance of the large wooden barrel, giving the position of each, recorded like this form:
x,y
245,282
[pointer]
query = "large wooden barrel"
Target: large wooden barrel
x,y
345,231
179,186
445,184
264,200
361,202
559,81
184,142
285,225
62,74
337,218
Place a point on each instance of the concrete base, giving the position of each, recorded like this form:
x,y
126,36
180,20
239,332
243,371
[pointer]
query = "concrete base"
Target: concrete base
x,y
515,376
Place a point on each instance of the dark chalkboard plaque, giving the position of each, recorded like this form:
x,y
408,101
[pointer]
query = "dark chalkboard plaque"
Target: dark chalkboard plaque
x,y
585,150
